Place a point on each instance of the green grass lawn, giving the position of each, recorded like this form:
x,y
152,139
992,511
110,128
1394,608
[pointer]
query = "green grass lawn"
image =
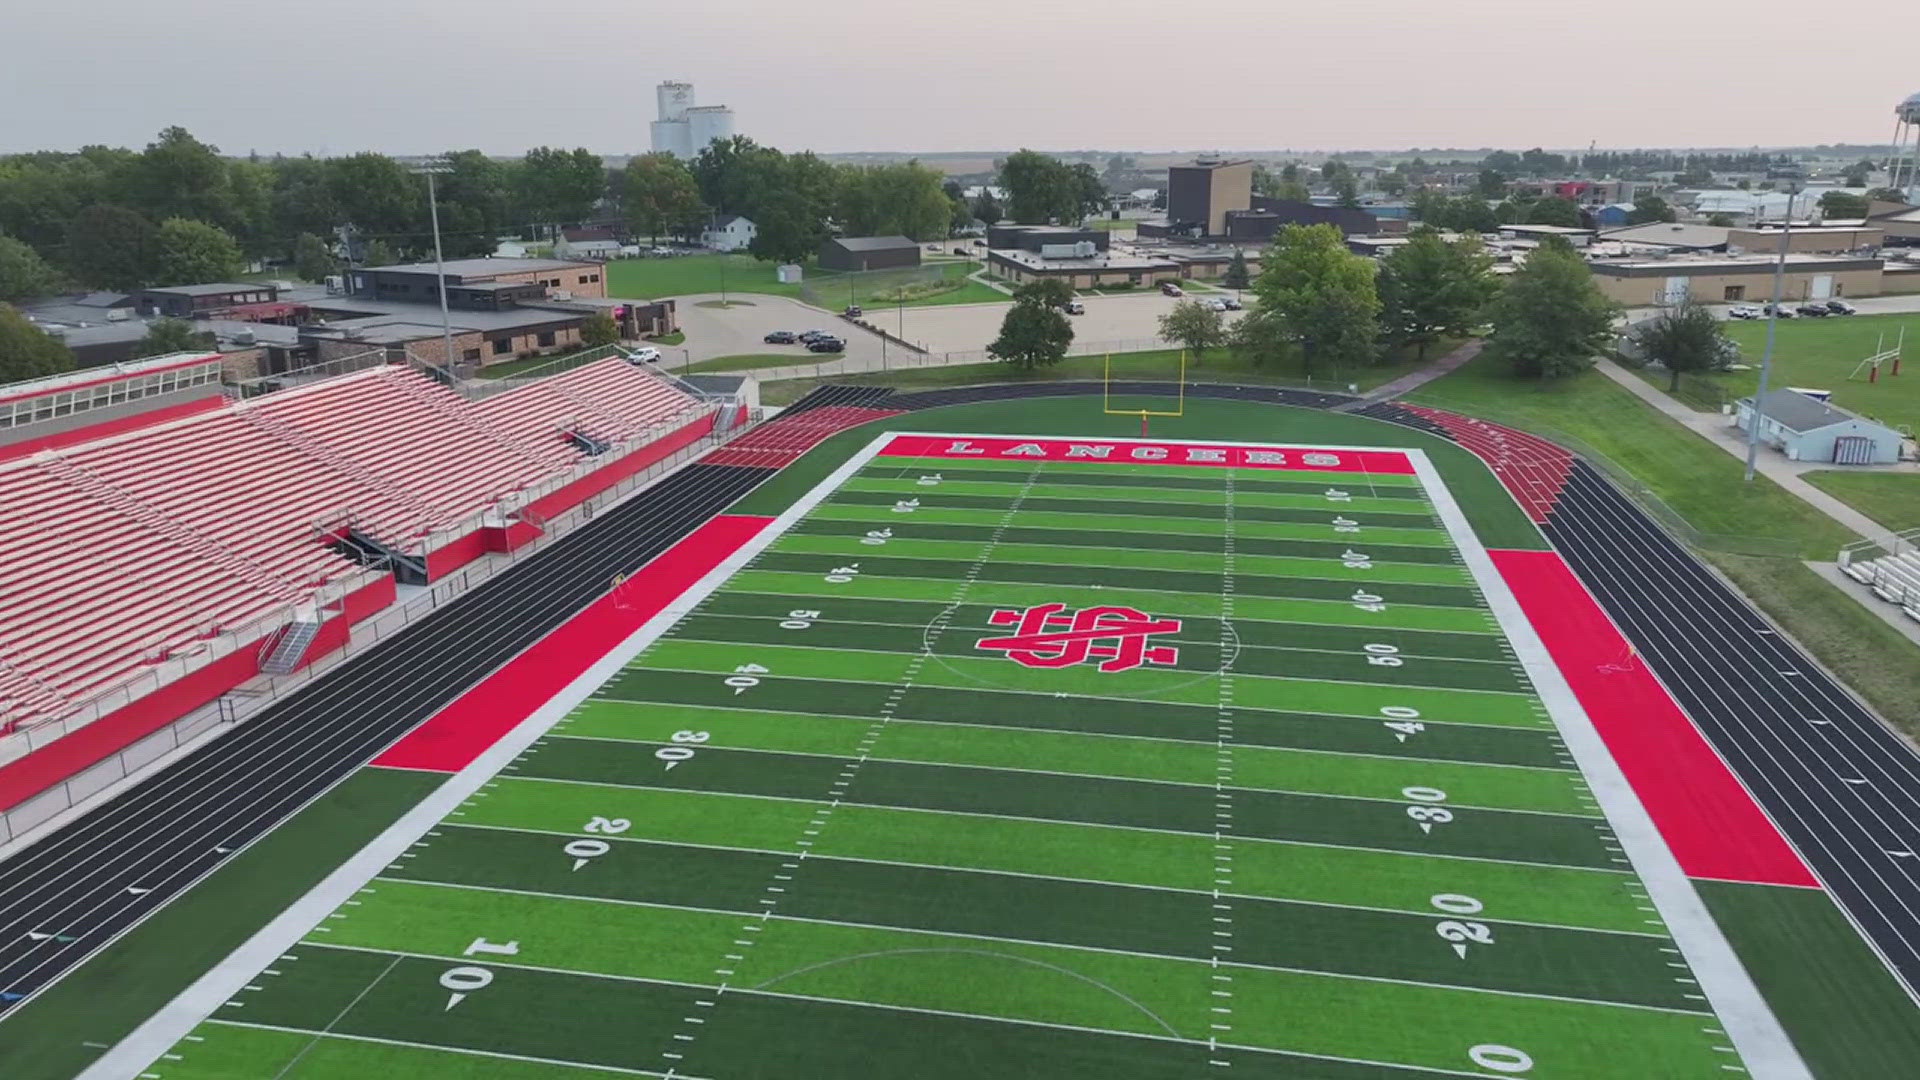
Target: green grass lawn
x,y
1698,481
1822,353
1218,365
683,275
1110,225
675,338
1892,499
757,360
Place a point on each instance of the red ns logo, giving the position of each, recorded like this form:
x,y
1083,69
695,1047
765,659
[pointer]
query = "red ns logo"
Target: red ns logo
x,y
1047,636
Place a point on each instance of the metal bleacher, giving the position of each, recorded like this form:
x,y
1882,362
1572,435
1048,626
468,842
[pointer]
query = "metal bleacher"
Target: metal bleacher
x,y
1890,567
192,537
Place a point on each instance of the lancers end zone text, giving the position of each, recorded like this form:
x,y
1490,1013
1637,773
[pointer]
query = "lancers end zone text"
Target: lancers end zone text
x,y
1033,758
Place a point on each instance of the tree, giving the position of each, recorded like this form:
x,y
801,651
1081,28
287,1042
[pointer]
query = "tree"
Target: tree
x,y
23,273
28,352
1259,337
786,230
558,187
1650,208
188,252
1430,289
1856,174
1041,189
1886,194
177,175
1050,292
1554,210
377,195
1550,320
112,247
311,259
1032,335
986,207
1236,276
1683,337
1322,295
599,329
888,200
378,253
166,336
661,194
1720,221
1194,326
1843,204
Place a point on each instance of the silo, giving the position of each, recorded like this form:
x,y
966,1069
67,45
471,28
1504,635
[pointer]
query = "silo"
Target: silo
x,y
671,137
675,99
708,123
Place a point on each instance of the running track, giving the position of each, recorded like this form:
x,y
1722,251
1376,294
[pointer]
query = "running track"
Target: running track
x,y
1841,786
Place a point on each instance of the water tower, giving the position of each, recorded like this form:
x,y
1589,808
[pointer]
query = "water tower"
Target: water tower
x,y
1905,166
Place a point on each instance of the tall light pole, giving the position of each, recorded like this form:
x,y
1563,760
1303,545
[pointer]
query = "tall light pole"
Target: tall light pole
x,y
1773,322
432,167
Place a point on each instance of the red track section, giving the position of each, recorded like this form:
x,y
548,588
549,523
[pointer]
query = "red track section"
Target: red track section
x,y
782,440
1531,467
1148,452
1709,821
465,729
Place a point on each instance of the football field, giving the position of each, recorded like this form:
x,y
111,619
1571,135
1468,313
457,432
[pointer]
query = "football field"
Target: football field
x,y
1006,764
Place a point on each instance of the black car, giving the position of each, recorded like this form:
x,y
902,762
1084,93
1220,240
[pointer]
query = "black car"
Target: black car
x,y
826,344
853,311
781,337
808,337
1841,307
1813,311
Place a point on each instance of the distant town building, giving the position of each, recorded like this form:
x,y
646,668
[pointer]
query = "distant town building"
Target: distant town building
x,y
730,232
684,128
868,253
592,243
1200,195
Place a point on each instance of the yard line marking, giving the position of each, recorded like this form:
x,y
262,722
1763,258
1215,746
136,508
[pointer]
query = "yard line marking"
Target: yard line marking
x,y
1050,877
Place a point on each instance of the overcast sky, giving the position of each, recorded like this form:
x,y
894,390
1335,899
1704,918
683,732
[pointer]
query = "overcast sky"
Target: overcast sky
x,y
412,76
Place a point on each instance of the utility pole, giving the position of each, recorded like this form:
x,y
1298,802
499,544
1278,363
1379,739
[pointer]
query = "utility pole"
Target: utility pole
x,y
1773,322
431,167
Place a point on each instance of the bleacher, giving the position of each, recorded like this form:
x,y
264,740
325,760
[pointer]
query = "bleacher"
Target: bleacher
x,y
1891,568
122,553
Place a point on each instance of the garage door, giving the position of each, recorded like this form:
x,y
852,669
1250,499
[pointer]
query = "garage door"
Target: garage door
x,y
1853,450
1822,287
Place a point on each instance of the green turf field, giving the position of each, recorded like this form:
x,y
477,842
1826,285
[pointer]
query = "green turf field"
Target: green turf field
x,y
1289,808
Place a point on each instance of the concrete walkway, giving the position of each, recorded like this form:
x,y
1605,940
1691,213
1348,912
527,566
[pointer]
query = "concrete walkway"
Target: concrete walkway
x,y
1718,430
1413,380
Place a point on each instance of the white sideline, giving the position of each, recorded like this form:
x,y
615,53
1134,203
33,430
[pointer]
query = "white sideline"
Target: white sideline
x,y
133,1054
1755,1032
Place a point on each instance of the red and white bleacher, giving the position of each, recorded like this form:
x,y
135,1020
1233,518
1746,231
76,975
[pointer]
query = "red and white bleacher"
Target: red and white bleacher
x,y
143,548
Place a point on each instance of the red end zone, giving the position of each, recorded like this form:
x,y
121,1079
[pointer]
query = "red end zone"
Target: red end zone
x,y
1148,452
462,731
1708,820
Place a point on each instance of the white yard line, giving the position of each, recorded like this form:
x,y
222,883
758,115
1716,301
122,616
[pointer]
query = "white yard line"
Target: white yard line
x,y
1750,1024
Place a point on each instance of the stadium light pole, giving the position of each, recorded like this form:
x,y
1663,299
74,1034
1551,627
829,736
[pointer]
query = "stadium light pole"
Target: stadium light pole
x,y
430,168
1773,322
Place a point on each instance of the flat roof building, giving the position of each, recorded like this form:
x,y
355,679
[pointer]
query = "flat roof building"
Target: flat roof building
x,y
1674,235
1815,240
1200,195
1733,279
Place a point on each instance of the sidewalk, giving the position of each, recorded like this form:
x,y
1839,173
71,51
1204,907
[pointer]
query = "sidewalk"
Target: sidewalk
x,y
1715,429
1413,380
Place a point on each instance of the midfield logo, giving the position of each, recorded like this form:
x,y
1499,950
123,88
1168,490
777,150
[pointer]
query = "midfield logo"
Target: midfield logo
x,y
1049,636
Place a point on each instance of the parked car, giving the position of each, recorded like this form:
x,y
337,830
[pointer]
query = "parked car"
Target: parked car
x,y
1782,312
961,251
1074,307
808,337
1215,304
1841,307
1743,311
646,354
1170,289
780,337
1232,303
853,311
1813,310
826,344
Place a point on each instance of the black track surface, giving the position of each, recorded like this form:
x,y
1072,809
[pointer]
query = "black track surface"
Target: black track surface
x,y
178,825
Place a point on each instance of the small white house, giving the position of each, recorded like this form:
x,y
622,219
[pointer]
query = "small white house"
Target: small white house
x,y
1806,429
586,244
729,233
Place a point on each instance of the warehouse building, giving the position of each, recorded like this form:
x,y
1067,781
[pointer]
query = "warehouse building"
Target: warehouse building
x,y
1734,279
855,253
